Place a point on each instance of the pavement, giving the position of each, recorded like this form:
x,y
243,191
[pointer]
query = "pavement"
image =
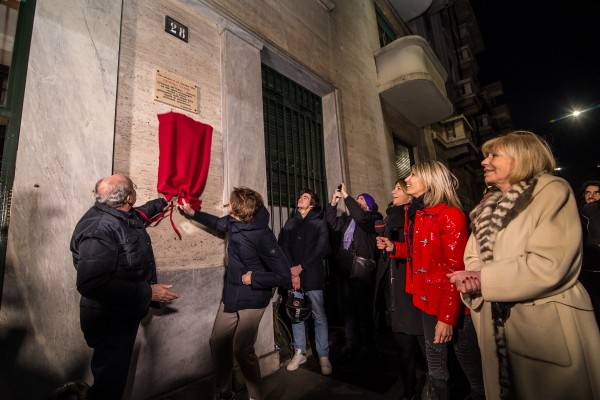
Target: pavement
x,y
364,377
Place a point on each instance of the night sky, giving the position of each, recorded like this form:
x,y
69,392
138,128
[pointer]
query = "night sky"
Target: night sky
x,y
546,56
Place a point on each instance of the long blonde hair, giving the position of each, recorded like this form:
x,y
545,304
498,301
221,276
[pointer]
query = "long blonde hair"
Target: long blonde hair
x,y
440,184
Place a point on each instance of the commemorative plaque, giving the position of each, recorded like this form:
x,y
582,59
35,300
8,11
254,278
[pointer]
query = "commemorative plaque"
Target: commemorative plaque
x,y
175,91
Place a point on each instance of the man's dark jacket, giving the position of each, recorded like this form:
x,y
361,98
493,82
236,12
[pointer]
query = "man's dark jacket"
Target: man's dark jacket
x,y
112,253
590,214
305,241
252,247
364,239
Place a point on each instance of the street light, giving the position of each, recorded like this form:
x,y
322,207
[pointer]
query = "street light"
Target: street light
x,y
575,113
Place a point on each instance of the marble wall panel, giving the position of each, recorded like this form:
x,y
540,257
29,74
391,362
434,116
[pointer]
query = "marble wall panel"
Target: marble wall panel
x,y
243,114
145,48
65,146
172,346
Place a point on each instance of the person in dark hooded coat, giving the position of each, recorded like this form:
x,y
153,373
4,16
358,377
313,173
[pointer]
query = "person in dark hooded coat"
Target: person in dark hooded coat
x,y
256,265
305,241
357,228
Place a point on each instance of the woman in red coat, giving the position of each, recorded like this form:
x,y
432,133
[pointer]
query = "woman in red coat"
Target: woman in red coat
x,y
436,236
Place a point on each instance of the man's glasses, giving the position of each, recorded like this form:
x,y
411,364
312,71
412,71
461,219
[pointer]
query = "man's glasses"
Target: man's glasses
x,y
591,194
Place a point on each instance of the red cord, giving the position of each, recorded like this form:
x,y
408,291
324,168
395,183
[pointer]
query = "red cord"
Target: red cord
x,y
156,219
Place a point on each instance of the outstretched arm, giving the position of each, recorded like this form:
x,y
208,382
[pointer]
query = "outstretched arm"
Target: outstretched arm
x,y
206,219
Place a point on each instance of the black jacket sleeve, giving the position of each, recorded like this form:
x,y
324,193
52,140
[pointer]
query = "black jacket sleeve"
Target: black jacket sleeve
x,y
274,258
365,219
212,222
153,207
335,223
284,242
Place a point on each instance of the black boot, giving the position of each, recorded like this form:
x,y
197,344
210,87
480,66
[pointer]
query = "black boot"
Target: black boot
x,y
436,389
474,396
71,389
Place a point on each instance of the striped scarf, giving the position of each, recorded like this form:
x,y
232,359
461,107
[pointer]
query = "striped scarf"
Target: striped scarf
x,y
492,215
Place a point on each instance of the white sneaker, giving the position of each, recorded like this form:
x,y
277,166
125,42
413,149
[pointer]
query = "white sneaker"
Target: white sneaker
x,y
325,366
298,359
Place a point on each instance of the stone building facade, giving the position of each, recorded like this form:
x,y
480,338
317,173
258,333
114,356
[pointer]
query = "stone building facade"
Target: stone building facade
x,y
89,110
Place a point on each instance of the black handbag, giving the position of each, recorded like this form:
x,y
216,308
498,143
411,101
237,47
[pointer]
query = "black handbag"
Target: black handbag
x,y
362,270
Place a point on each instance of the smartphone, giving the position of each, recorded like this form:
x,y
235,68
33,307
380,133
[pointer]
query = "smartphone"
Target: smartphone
x,y
339,187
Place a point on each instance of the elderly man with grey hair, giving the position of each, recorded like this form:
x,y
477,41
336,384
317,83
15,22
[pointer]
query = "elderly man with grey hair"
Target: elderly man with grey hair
x,y
116,277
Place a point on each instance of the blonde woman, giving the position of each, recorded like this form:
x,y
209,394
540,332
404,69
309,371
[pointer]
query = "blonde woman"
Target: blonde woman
x,y
534,320
436,237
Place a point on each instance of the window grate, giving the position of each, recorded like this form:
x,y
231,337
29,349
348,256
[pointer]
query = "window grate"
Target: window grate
x,y
384,28
293,120
403,159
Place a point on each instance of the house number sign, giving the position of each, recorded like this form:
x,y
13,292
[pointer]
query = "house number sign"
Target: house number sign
x,y
176,29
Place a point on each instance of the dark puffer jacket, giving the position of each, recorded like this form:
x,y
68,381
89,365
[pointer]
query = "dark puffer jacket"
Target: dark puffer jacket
x,y
305,241
590,214
112,253
252,247
364,239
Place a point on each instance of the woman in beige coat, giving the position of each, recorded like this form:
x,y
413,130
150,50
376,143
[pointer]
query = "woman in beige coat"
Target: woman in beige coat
x,y
534,320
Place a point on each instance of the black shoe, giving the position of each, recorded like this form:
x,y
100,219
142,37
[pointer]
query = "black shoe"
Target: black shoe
x,y
78,389
474,396
435,389
221,396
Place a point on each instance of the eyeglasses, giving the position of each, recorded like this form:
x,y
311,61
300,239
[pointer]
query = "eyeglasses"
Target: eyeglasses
x,y
591,194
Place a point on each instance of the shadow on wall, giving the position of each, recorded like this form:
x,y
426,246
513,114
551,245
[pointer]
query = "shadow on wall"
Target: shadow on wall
x,y
19,382
152,346
26,373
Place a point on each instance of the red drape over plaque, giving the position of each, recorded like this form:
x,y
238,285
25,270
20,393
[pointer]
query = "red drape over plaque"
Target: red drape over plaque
x,y
184,157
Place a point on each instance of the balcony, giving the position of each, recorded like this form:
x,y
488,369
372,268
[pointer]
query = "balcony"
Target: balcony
x,y
467,100
412,80
468,63
455,135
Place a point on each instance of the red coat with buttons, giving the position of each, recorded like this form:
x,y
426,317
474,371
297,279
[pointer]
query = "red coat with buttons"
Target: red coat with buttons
x,y
436,249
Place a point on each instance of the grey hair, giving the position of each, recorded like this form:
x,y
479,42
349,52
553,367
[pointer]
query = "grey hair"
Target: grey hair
x,y
115,195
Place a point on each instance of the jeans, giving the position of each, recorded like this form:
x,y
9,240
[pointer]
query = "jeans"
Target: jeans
x,y
466,349
321,328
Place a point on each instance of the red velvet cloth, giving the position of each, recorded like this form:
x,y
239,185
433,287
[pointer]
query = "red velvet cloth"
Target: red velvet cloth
x,y
184,157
